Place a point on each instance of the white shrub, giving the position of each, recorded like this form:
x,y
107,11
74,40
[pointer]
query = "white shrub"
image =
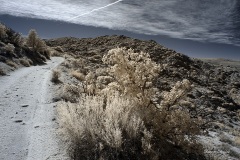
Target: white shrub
x,y
134,72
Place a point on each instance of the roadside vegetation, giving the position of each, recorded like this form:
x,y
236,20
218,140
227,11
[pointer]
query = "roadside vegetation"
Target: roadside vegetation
x,y
17,51
55,76
116,112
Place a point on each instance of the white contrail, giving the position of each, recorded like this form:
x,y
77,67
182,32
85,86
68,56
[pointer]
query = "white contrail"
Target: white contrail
x,y
97,9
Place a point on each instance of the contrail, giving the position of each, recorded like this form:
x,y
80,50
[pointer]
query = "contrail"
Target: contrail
x,y
97,9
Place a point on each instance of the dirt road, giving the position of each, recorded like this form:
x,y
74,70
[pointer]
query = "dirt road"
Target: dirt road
x,y
28,128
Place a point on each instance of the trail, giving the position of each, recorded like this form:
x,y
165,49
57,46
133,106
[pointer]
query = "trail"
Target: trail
x,y
28,129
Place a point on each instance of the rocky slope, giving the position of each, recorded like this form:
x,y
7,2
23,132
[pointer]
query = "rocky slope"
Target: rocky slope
x,y
214,98
215,85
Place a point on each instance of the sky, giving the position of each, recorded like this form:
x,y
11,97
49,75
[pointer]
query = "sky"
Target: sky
x,y
198,28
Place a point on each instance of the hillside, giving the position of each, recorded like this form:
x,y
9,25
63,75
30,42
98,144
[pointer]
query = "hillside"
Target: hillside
x,y
218,83
214,97
14,52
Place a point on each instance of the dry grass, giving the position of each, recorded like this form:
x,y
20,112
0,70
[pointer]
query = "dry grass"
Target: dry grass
x,y
11,63
47,53
25,62
79,76
55,76
99,128
127,126
58,49
77,63
10,48
56,54
71,93
224,138
2,73
237,141
2,31
234,153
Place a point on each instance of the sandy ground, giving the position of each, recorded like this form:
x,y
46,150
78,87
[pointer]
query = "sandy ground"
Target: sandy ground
x,y
28,129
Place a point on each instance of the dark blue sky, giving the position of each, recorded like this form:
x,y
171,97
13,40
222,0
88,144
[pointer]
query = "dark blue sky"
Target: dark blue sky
x,y
198,28
55,29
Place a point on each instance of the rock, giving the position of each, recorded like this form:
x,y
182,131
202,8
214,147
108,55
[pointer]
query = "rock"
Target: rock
x,y
24,105
18,121
56,99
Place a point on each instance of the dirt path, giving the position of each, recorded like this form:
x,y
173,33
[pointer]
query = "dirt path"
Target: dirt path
x,y
27,114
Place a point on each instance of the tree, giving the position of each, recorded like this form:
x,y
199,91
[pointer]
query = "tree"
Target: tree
x,y
34,42
2,31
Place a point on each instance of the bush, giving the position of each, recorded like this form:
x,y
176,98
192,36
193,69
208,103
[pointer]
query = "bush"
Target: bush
x,y
56,54
99,128
17,39
71,93
35,43
77,63
237,141
47,53
2,31
130,125
25,62
11,63
2,73
55,76
134,73
59,49
10,49
79,76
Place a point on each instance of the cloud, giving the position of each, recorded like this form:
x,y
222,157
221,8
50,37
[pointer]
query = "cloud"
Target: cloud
x,y
94,10
201,20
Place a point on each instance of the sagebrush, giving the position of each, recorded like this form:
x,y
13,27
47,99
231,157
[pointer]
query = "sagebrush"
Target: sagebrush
x,y
35,43
125,117
55,76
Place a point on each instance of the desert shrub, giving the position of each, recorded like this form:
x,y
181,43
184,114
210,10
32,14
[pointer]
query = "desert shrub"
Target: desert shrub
x,y
95,58
47,53
55,76
99,128
9,48
11,63
96,125
71,93
25,62
2,31
66,64
2,73
59,49
30,61
17,39
237,141
104,80
134,73
79,76
56,54
77,63
214,154
34,42
224,138
102,72
234,154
